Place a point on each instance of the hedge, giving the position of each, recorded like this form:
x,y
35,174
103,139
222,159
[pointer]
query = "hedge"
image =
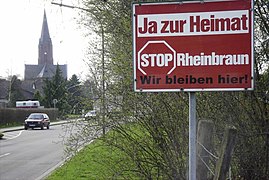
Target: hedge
x,y
18,115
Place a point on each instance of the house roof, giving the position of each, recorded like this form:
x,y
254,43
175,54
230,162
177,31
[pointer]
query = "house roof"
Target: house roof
x,y
4,84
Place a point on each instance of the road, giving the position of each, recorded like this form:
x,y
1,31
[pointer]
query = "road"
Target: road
x,y
31,154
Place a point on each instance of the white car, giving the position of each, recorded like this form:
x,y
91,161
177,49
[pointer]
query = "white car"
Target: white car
x,y
90,114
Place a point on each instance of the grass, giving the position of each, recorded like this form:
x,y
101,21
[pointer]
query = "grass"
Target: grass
x,y
13,124
72,116
96,161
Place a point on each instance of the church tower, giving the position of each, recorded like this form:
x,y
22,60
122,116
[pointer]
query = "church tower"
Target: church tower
x,y
45,55
45,69
35,74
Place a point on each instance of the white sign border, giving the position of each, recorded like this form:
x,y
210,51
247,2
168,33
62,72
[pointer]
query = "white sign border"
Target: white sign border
x,y
194,89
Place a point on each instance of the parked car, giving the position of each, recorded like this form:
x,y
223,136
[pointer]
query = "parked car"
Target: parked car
x,y
90,114
37,120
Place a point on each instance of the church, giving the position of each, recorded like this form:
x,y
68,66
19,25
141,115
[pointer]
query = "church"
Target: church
x,y
35,74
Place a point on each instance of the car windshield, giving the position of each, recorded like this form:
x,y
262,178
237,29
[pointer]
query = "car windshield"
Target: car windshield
x,y
36,116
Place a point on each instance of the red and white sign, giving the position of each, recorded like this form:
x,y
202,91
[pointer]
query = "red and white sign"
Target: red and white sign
x,y
193,46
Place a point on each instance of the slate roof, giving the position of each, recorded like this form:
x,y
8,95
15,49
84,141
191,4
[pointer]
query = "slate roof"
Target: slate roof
x,y
45,35
45,49
43,71
29,87
4,86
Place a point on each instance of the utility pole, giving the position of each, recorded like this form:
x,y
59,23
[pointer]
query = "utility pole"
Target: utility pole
x,y
103,80
103,59
204,144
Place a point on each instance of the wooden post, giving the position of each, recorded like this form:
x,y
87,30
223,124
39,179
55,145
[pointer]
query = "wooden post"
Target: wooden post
x,y
204,140
226,150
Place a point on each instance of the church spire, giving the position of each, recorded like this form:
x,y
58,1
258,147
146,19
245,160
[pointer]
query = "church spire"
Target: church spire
x,y
45,35
45,44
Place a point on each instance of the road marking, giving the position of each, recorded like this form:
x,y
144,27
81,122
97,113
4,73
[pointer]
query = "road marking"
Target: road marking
x,y
4,155
12,135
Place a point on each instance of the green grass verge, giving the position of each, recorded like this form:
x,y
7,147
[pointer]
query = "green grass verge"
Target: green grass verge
x,y
96,161
13,124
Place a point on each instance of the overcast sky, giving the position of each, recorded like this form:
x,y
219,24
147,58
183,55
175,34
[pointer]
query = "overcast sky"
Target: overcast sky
x,y
20,30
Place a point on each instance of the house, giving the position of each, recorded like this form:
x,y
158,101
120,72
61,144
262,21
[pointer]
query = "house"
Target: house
x,y
4,89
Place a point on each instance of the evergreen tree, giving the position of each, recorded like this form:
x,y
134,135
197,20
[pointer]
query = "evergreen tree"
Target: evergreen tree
x,y
55,90
15,91
38,96
74,94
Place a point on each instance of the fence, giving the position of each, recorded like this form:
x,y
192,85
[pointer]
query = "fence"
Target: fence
x,y
204,152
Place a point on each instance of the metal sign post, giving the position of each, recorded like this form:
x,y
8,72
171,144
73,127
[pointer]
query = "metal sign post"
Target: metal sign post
x,y
192,136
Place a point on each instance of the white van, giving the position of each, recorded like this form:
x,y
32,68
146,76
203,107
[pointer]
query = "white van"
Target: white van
x,y
27,104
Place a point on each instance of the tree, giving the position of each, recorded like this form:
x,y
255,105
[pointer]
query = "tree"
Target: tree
x,y
247,111
160,151
15,91
89,94
152,127
74,96
56,89
38,96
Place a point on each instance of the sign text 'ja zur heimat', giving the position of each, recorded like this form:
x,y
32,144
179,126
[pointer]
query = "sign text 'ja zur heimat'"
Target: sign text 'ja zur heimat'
x,y
209,22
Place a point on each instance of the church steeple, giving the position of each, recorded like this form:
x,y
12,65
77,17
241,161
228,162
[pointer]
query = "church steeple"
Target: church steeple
x,y
45,55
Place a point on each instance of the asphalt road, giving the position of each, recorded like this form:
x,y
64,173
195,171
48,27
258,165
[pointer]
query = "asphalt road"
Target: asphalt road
x,y
32,154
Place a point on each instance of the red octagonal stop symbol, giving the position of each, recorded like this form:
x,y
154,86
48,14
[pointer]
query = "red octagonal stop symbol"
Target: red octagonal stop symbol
x,y
156,56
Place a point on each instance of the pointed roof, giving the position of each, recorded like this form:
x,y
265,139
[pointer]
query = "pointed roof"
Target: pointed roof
x,y
41,74
45,35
